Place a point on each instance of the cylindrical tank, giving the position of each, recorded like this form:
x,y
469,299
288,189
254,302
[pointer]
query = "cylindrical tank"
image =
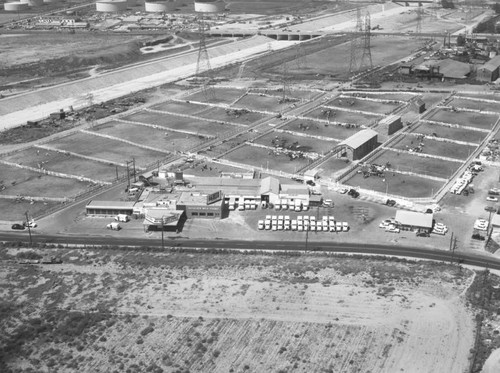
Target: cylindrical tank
x,y
160,6
209,6
131,3
33,3
111,6
15,6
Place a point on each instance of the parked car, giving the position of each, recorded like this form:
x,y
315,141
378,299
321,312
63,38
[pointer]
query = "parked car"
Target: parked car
x,y
392,228
492,199
18,226
343,191
423,234
390,202
260,224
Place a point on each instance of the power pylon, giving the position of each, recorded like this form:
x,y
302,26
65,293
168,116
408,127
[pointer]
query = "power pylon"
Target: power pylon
x,y
203,63
286,88
420,12
300,57
355,43
366,58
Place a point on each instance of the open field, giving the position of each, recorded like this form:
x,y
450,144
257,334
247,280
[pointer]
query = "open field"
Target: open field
x,y
400,96
342,116
222,95
193,126
312,127
106,149
220,313
333,165
475,105
14,211
205,169
292,92
434,147
16,181
65,163
299,143
263,103
452,133
414,163
157,138
180,107
220,114
363,105
464,118
259,157
402,185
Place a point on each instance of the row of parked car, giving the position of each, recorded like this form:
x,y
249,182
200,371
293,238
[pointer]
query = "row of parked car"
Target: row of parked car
x,y
391,225
303,223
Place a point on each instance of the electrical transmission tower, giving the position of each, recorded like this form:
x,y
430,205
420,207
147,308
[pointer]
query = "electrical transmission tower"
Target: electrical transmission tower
x,y
366,58
300,57
286,88
420,12
355,42
203,63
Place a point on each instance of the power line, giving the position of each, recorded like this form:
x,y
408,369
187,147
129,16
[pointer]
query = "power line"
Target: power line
x,y
203,63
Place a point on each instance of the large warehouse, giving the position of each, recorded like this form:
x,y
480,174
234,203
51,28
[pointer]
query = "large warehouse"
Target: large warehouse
x,y
360,144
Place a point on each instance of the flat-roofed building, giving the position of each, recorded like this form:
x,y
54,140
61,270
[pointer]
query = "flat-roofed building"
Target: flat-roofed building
x,y
198,205
163,219
490,71
109,208
411,220
390,124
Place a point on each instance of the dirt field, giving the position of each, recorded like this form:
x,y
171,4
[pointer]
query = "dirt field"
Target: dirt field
x,y
342,116
157,138
363,105
105,310
397,184
414,163
475,105
311,127
483,121
262,103
222,95
434,147
65,163
300,143
106,149
13,211
459,134
259,157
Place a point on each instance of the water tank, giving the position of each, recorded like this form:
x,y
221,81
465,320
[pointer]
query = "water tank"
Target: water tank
x,y
112,6
209,6
15,6
160,6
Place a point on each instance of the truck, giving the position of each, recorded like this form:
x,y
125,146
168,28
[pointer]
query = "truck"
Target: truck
x,y
122,217
115,226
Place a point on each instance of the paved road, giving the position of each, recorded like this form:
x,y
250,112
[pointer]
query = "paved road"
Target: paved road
x,y
332,247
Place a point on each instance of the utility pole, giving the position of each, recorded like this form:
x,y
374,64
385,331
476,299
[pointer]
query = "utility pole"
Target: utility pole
x,y
128,172
29,227
162,240
116,172
135,175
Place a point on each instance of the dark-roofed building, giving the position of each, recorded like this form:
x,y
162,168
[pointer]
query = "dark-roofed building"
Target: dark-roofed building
x,y
390,124
109,208
489,71
360,144
418,105
411,220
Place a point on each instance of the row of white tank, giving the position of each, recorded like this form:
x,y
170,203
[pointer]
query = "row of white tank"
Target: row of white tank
x,y
159,6
16,6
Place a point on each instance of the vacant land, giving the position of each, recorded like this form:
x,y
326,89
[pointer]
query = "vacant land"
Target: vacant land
x,y
297,143
452,133
101,311
315,128
464,118
222,95
435,147
475,104
261,103
14,210
363,105
342,116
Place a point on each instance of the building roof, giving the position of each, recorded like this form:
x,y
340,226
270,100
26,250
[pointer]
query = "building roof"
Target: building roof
x,y
189,198
294,189
269,185
116,205
415,219
450,68
492,64
390,119
359,138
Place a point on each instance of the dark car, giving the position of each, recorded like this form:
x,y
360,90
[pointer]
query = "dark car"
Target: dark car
x,y
390,202
353,193
310,182
423,234
429,211
18,226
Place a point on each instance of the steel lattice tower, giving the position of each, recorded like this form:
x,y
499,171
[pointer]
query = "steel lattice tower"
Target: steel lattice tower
x,y
355,43
203,63
366,58
420,12
300,57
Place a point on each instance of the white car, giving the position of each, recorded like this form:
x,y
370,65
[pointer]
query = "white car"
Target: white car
x,y
300,228
439,231
492,199
441,226
274,227
267,225
343,191
392,229
294,225
481,224
345,226
384,224
268,217
260,224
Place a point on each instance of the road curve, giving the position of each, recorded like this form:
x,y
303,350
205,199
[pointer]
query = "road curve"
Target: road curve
x,y
330,247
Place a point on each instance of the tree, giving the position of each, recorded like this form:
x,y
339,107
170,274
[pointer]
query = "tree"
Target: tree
x,y
496,8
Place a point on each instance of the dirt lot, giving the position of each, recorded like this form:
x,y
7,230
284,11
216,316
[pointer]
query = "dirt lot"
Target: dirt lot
x,y
434,147
299,143
475,105
110,310
14,210
483,121
315,128
453,133
363,105
342,116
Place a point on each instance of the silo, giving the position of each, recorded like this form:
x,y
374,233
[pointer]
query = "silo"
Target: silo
x,y
161,6
15,6
209,6
111,6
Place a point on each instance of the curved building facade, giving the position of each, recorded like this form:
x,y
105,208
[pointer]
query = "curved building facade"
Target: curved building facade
x,y
209,6
160,6
111,6
15,6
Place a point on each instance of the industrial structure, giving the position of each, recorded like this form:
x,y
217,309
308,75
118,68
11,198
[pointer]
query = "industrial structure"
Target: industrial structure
x,y
111,6
161,6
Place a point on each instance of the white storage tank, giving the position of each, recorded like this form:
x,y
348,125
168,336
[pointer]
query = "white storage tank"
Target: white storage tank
x,y
111,6
15,6
209,6
160,6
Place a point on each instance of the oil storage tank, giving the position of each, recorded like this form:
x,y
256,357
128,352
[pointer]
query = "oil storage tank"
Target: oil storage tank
x,y
160,6
111,6
209,6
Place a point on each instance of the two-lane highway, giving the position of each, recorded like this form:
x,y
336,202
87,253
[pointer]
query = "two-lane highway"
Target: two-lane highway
x,y
327,247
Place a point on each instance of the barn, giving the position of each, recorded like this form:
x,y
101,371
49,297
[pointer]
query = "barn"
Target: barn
x,y
360,144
